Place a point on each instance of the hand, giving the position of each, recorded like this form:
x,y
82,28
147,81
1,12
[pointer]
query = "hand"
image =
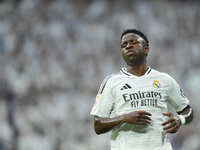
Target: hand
x,y
173,122
138,117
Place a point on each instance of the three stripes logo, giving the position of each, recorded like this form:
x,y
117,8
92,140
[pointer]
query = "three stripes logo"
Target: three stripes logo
x,y
126,86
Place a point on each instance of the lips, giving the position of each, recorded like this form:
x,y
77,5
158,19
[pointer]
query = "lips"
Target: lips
x,y
130,52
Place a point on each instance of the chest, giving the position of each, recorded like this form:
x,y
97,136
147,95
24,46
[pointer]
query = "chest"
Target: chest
x,y
140,93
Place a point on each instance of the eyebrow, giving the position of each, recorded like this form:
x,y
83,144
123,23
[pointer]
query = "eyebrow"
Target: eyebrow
x,y
131,40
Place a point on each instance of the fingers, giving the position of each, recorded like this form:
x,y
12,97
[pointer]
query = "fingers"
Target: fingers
x,y
142,112
146,118
172,129
166,114
170,115
143,122
143,118
173,123
138,117
169,126
167,122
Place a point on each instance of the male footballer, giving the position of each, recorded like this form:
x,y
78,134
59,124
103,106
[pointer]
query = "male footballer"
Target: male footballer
x,y
133,103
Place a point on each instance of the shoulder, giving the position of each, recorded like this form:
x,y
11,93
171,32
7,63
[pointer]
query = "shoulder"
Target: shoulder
x,y
112,76
107,80
163,76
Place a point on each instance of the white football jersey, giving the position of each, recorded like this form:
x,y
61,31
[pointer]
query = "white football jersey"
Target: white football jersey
x,y
123,92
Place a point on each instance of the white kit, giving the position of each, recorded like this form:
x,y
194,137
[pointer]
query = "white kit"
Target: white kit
x,y
123,93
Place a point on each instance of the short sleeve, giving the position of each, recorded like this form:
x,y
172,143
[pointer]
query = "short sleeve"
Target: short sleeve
x,y
177,97
104,100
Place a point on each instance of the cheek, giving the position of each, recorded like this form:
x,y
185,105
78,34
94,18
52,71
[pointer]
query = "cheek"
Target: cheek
x,y
122,51
123,55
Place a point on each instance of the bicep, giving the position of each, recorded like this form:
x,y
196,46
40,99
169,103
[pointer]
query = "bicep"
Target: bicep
x,y
176,96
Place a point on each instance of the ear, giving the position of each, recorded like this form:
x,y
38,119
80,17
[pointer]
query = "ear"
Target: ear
x,y
146,50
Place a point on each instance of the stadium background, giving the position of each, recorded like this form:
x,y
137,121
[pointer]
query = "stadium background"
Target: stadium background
x,y
55,54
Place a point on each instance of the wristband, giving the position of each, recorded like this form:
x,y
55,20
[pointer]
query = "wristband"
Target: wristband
x,y
182,119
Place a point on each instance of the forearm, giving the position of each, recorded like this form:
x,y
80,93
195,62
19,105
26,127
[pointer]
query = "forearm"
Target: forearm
x,y
187,113
103,125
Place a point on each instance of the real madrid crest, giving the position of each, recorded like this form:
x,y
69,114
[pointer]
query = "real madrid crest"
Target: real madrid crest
x,y
156,84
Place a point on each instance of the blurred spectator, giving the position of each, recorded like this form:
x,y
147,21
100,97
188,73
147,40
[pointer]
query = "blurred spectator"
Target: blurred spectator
x,y
54,55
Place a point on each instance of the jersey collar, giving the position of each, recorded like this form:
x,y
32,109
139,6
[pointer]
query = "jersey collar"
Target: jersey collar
x,y
124,71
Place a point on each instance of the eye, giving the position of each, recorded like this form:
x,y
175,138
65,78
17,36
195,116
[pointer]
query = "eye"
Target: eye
x,y
123,44
133,42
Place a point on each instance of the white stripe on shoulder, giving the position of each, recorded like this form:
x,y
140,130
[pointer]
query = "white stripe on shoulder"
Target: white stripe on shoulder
x,y
103,84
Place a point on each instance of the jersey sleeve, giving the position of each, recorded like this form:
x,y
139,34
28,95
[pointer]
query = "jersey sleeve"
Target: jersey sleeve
x,y
176,96
104,100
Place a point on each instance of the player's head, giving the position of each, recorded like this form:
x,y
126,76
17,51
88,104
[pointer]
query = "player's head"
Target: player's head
x,y
141,34
134,47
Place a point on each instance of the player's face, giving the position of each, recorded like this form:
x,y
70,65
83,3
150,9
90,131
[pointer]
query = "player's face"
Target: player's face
x,y
133,49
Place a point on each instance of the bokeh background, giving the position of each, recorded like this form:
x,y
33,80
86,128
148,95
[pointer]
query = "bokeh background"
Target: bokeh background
x,y
54,55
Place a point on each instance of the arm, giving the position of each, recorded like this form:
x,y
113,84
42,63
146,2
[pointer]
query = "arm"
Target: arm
x,y
103,125
174,122
187,113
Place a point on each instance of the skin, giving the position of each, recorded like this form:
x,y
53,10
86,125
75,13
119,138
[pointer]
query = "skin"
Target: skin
x,y
136,62
134,51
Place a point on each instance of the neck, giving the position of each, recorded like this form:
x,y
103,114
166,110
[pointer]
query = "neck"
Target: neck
x,y
137,70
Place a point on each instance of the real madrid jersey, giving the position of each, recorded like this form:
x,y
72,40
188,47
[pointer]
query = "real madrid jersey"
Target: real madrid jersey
x,y
123,93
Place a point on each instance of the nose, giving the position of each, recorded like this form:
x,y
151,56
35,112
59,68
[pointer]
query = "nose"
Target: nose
x,y
129,45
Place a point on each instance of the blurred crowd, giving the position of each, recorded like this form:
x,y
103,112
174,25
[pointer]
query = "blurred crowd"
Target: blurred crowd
x,y
54,55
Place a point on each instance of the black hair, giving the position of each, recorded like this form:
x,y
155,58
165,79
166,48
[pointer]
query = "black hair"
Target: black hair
x,y
136,32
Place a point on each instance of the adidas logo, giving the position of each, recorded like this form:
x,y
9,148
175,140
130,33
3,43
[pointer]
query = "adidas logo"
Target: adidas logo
x,y
126,86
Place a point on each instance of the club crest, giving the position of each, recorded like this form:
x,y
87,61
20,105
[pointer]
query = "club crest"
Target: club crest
x,y
156,84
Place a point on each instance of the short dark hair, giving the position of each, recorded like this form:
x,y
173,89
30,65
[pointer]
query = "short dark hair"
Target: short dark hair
x,y
136,32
